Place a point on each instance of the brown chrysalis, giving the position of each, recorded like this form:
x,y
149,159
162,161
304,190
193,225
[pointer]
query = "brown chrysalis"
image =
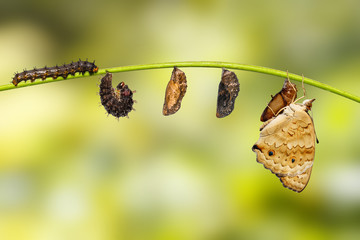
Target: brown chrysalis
x,y
55,72
229,88
117,102
175,92
282,99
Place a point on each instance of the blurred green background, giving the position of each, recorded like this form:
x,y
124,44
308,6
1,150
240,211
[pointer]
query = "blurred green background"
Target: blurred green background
x,y
67,171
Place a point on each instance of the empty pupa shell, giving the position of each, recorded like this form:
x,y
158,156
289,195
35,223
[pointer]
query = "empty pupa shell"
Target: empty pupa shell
x,y
229,88
282,99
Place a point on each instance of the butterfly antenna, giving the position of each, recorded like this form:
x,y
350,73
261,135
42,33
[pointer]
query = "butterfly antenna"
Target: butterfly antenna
x,y
292,85
302,84
275,114
303,87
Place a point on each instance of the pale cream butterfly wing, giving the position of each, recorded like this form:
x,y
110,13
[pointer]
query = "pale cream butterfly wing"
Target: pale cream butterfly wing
x,y
297,183
287,145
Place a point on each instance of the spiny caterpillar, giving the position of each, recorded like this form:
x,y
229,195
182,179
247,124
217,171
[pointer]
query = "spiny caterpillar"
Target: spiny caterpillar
x,y
55,72
117,102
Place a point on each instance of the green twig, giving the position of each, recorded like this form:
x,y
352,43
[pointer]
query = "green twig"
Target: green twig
x,y
211,64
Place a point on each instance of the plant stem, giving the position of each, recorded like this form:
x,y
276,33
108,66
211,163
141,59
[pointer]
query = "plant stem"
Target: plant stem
x,y
211,64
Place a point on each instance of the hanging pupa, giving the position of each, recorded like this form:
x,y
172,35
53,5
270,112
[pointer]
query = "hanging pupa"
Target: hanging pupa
x,y
175,91
229,88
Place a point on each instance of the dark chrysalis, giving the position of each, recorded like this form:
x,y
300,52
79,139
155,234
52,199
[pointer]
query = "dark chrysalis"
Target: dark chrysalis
x,y
55,72
175,91
117,102
282,99
229,88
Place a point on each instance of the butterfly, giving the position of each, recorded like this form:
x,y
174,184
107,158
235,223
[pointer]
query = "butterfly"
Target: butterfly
x,y
229,88
175,91
286,145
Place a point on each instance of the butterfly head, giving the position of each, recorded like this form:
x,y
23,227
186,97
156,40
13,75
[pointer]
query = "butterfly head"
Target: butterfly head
x,y
308,103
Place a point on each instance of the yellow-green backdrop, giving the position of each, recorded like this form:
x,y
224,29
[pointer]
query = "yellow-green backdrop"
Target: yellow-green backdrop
x,y
69,171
